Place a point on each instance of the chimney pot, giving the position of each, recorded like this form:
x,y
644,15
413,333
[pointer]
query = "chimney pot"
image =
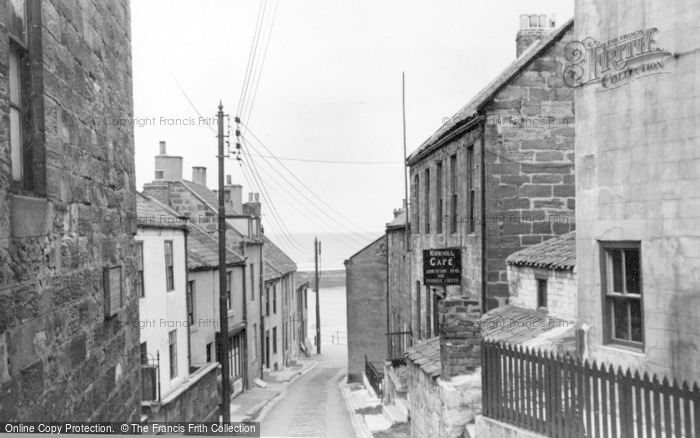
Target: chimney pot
x,y
162,148
524,21
199,175
533,20
543,20
228,180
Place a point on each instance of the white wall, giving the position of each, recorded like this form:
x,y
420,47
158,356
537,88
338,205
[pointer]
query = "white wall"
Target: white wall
x,y
562,299
161,311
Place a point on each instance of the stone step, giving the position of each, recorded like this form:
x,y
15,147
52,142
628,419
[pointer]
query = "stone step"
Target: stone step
x,y
403,405
394,414
377,422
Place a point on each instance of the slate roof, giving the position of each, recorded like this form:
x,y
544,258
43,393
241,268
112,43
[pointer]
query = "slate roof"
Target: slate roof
x,y
427,356
471,109
398,222
203,251
152,214
279,262
514,324
556,253
208,197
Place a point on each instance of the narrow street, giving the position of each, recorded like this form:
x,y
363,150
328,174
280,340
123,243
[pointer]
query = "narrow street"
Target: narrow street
x,y
313,406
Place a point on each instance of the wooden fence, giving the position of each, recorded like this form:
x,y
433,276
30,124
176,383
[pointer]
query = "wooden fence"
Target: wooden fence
x,y
564,397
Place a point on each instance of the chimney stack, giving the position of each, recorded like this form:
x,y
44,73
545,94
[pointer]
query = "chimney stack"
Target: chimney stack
x,y
168,168
397,212
533,28
234,195
254,204
199,176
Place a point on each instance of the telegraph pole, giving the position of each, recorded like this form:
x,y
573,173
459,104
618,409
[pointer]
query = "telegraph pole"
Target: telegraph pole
x,y
317,250
223,299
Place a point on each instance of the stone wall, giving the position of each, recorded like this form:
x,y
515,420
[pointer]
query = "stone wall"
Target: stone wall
x,y
562,297
529,141
442,409
638,180
60,359
399,286
196,401
366,307
460,336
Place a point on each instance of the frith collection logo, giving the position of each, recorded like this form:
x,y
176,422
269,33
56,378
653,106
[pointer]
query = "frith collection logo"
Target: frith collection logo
x,y
615,62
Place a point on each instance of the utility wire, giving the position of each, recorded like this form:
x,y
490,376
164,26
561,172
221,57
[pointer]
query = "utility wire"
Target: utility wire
x,y
304,185
332,230
247,114
364,239
251,55
327,161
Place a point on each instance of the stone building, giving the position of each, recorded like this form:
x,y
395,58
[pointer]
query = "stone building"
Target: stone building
x,y
366,295
243,235
399,304
69,344
203,305
173,387
544,276
638,185
280,312
499,176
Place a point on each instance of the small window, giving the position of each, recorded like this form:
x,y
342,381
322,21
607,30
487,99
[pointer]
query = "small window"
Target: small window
x,y
267,301
252,282
622,289
455,199
255,341
229,280
190,302
471,183
274,340
144,354
541,292
209,349
139,270
113,290
438,196
426,184
172,337
169,269
274,299
416,202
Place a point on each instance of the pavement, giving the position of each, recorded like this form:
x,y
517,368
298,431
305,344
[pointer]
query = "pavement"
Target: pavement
x,y
312,405
249,405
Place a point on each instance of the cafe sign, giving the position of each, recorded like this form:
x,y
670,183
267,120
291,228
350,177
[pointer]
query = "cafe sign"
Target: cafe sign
x,y
442,267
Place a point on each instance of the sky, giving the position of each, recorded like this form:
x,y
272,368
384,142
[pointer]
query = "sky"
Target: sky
x,y
329,90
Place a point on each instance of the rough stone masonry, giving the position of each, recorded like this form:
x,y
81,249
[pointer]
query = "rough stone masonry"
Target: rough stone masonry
x,y
61,358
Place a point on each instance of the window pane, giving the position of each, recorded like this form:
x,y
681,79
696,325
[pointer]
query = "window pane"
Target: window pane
x,y
16,144
18,19
620,319
632,271
636,319
616,258
14,78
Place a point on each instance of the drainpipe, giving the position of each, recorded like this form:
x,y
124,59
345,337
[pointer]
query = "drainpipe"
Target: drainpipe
x,y
187,282
482,135
262,321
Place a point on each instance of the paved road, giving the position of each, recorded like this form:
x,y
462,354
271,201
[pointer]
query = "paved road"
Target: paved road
x,y
313,406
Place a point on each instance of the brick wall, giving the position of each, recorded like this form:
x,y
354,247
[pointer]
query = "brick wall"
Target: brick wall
x,y
59,358
460,336
366,307
562,297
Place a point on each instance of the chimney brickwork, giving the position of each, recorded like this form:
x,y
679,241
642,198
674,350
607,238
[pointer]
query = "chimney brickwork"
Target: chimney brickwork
x,y
532,28
460,336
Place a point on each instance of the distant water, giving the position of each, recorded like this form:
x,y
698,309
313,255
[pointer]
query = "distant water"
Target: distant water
x,y
333,315
335,247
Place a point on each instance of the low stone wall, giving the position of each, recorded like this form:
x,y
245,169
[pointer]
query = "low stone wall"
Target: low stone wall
x,y
196,400
442,409
488,428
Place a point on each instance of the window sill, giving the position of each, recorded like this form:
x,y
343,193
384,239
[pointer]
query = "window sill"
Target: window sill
x,y
619,348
